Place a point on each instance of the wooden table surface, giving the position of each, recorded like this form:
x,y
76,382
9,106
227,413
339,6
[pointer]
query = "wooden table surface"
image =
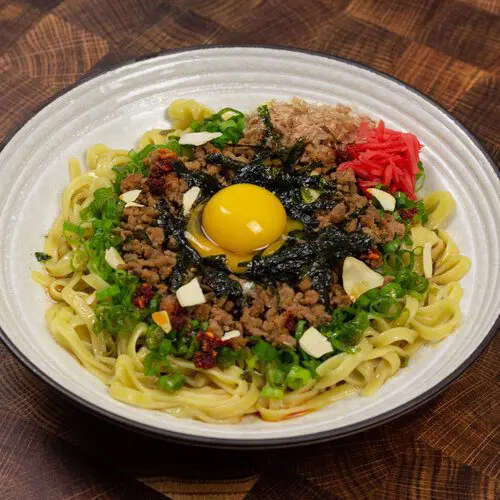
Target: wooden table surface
x,y
50,449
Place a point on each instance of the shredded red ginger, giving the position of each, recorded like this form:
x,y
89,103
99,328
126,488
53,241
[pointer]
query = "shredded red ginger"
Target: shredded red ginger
x,y
384,156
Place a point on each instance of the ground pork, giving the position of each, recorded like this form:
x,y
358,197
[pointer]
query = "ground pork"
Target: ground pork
x,y
177,314
338,297
175,189
239,153
273,315
132,181
334,216
355,204
306,305
143,251
263,318
345,181
139,217
162,181
219,314
148,263
156,236
381,229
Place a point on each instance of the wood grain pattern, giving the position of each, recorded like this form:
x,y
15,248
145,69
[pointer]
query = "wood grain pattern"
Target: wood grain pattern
x,y
50,449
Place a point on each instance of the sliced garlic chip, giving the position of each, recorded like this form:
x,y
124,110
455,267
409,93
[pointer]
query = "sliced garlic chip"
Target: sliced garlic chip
x,y
113,258
386,200
427,260
198,138
314,343
358,278
230,335
189,198
129,196
190,294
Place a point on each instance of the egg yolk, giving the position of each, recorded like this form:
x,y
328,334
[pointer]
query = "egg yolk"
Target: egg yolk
x,y
243,218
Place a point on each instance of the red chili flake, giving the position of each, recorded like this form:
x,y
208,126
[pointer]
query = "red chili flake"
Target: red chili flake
x,y
408,213
163,155
177,321
161,167
176,314
161,163
373,254
142,295
156,186
290,322
341,156
373,258
206,357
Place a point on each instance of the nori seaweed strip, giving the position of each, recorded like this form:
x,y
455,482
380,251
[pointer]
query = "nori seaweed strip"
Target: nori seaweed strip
x,y
337,244
224,161
255,174
220,282
172,225
321,278
330,244
295,152
285,265
213,269
272,137
296,208
207,183
188,256
215,274
176,279
269,131
263,154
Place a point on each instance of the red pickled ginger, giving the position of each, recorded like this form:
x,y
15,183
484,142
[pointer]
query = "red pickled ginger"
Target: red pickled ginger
x,y
384,156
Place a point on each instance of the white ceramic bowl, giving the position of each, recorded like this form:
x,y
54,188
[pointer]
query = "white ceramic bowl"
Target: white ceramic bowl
x,y
116,107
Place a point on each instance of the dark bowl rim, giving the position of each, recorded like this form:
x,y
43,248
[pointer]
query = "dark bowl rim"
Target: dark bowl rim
x,y
251,444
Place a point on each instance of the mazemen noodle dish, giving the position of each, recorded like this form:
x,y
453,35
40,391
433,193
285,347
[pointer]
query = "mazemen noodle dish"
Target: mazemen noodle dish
x,y
268,264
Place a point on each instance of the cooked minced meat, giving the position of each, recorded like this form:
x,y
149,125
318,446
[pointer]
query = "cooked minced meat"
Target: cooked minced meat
x,y
345,181
380,229
148,263
269,312
133,181
334,216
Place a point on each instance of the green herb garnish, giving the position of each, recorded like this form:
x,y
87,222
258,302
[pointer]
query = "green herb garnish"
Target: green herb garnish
x,y
228,121
42,257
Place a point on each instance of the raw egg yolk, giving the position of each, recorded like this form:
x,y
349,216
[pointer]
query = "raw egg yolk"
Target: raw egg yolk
x,y
243,218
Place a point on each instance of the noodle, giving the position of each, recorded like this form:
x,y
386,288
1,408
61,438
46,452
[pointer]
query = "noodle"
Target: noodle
x,y
216,395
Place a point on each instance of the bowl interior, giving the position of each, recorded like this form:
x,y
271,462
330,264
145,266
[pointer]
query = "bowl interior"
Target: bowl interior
x,y
117,107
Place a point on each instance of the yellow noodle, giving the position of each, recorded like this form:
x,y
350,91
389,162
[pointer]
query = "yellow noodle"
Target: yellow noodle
x,y
440,205
154,136
223,396
182,112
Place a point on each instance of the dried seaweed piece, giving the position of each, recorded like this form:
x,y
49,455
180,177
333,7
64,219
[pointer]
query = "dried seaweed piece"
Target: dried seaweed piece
x,y
321,278
288,264
206,182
